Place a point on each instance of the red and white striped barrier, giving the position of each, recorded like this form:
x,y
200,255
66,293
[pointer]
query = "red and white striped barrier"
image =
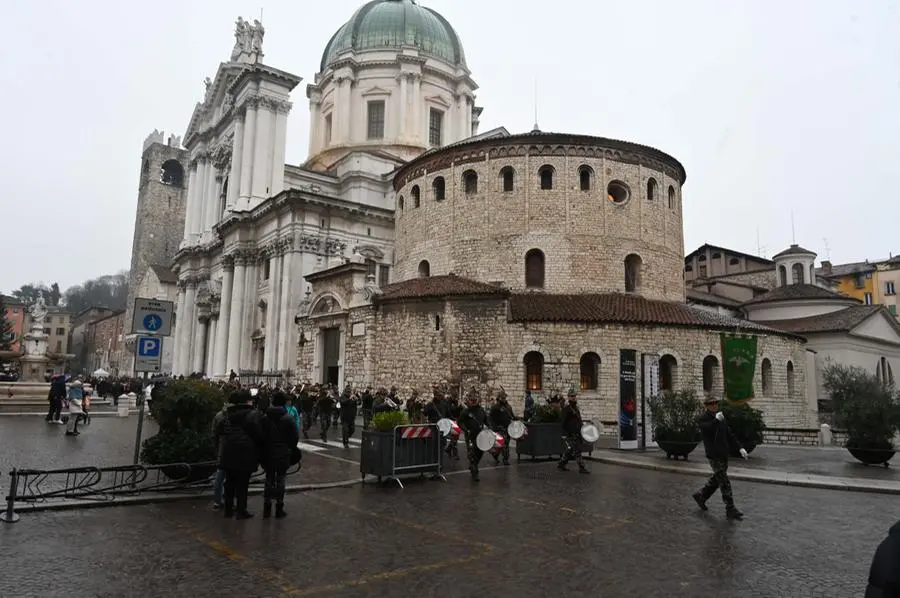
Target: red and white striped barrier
x,y
416,432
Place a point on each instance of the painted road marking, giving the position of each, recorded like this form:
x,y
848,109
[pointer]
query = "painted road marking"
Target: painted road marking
x,y
304,445
333,443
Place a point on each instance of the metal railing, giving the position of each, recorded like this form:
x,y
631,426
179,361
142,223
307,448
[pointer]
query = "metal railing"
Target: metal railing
x,y
106,484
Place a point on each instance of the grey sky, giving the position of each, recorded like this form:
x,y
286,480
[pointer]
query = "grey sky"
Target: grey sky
x,y
770,106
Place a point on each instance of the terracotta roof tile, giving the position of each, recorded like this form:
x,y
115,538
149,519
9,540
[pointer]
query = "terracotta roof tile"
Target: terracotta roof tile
x,y
798,291
710,298
620,309
843,320
432,287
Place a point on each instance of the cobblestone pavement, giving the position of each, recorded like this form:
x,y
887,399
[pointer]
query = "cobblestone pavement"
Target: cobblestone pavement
x,y
527,530
832,461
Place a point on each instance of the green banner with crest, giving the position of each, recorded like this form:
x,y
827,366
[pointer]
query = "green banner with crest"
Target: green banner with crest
x,y
738,366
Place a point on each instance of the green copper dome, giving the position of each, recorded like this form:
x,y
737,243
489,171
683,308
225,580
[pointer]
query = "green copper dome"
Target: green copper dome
x,y
391,24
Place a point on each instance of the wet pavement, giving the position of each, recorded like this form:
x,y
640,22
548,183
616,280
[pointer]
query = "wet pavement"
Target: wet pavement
x,y
524,530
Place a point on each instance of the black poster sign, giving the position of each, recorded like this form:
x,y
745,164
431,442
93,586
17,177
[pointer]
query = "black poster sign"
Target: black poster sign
x,y
627,394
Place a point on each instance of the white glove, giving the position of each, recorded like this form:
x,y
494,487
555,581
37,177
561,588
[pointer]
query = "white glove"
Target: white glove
x,y
743,454
720,416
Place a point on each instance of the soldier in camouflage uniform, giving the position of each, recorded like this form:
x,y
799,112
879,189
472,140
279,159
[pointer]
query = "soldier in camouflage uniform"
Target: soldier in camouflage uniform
x,y
571,425
500,416
718,440
472,420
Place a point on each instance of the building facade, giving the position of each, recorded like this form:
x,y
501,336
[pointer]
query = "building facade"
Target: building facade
x,y
15,315
105,340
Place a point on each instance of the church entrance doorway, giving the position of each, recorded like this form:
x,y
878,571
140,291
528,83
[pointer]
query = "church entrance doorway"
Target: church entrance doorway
x,y
331,355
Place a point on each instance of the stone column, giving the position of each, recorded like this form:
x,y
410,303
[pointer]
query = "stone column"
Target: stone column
x,y
198,358
211,345
198,208
247,156
460,120
405,132
347,109
236,315
417,127
189,320
272,320
220,352
250,307
285,317
180,347
279,139
315,124
210,201
234,178
262,159
189,206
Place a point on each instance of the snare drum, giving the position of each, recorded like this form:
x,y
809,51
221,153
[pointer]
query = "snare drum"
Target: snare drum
x,y
590,432
487,440
517,429
499,443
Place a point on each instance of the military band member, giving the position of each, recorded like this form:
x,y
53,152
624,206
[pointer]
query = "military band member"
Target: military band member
x,y
472,420
326,408
718,439
348,417
571,425
368,403
500,416
307,406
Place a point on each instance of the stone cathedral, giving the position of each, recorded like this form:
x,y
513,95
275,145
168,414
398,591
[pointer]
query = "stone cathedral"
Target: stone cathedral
x,y
410,248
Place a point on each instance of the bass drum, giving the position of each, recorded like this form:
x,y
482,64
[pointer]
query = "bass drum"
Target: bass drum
x,y
517,429
499,443
445,425
590,432
487,440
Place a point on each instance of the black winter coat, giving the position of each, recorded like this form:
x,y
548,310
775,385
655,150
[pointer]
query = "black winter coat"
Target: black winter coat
x,y
431,412
571,420
240,439
348,410
501,416
307,402
884,576
326,405
280,437
717,436
472,420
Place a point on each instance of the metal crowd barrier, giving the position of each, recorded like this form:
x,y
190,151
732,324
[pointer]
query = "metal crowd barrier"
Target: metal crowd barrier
x,y
106,484
407,450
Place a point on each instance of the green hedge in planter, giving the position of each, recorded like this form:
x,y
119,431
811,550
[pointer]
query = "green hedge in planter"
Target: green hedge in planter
x,y
184,411
746,424
547,414
387,421
674,416
866,408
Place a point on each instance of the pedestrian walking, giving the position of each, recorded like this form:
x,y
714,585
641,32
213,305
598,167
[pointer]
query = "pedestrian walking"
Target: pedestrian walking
x,y
75,398
56,396
240,442
884,575
718,440
281,438
219,482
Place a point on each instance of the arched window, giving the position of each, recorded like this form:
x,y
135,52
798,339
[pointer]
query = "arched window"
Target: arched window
x,y
415,196
782,276
534,370
651,189
470,182
734,261
508,178
400,203
633,265
710,373
766,376
671,197
438,188
534,269
790,378
424,269
585,177
797,274
590,371
668,372
171,173
546,175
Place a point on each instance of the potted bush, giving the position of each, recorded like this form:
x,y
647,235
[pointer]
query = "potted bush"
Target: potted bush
x,y
674,416
386,454
867,409
746,424
184,411
544,434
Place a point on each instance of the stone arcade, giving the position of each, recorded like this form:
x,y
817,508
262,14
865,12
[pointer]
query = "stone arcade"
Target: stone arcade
x,y
410,248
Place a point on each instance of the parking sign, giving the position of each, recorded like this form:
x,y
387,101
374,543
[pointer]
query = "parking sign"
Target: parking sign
x,y
148,354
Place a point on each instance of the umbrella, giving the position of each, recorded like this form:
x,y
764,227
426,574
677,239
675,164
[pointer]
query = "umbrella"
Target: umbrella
x,y
101,373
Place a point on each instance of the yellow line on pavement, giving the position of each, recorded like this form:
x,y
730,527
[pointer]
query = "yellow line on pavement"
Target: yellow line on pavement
x,y
248,564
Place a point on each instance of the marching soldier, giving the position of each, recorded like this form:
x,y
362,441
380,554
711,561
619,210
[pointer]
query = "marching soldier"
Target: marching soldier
x,y
472,420
500,416
571,425
368,403
325,406
307,406
348,417
717,440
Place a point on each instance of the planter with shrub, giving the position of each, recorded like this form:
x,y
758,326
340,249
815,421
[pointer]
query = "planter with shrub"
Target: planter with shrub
x,y
746,424
184,411
544,437
867,409
386,454
674,416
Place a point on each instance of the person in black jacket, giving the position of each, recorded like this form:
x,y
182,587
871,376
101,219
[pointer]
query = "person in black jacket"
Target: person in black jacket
x,y
56,397
307,407
240,439
368,403
884,575
348,417
325,407
718,440
500,416
571,427
472,420
281,436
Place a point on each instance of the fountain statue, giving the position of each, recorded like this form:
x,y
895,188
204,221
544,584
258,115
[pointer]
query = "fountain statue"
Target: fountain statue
x,y
34,362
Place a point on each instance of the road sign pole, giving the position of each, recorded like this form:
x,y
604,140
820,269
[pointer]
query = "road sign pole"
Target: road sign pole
x,y
140,426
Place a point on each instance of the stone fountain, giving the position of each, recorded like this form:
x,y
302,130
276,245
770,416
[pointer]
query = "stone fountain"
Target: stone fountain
x,y
31,388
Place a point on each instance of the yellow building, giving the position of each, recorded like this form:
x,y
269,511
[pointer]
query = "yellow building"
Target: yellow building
x,y
886,282
873,283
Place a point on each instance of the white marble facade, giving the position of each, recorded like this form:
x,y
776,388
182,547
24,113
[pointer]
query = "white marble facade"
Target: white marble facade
x,y
255,227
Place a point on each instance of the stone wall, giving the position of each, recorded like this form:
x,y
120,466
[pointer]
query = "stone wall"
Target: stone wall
x,y
765,278
476,345
584,236
801,436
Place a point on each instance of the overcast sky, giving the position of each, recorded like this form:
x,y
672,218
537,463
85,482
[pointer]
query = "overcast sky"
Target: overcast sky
x,y
771,107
